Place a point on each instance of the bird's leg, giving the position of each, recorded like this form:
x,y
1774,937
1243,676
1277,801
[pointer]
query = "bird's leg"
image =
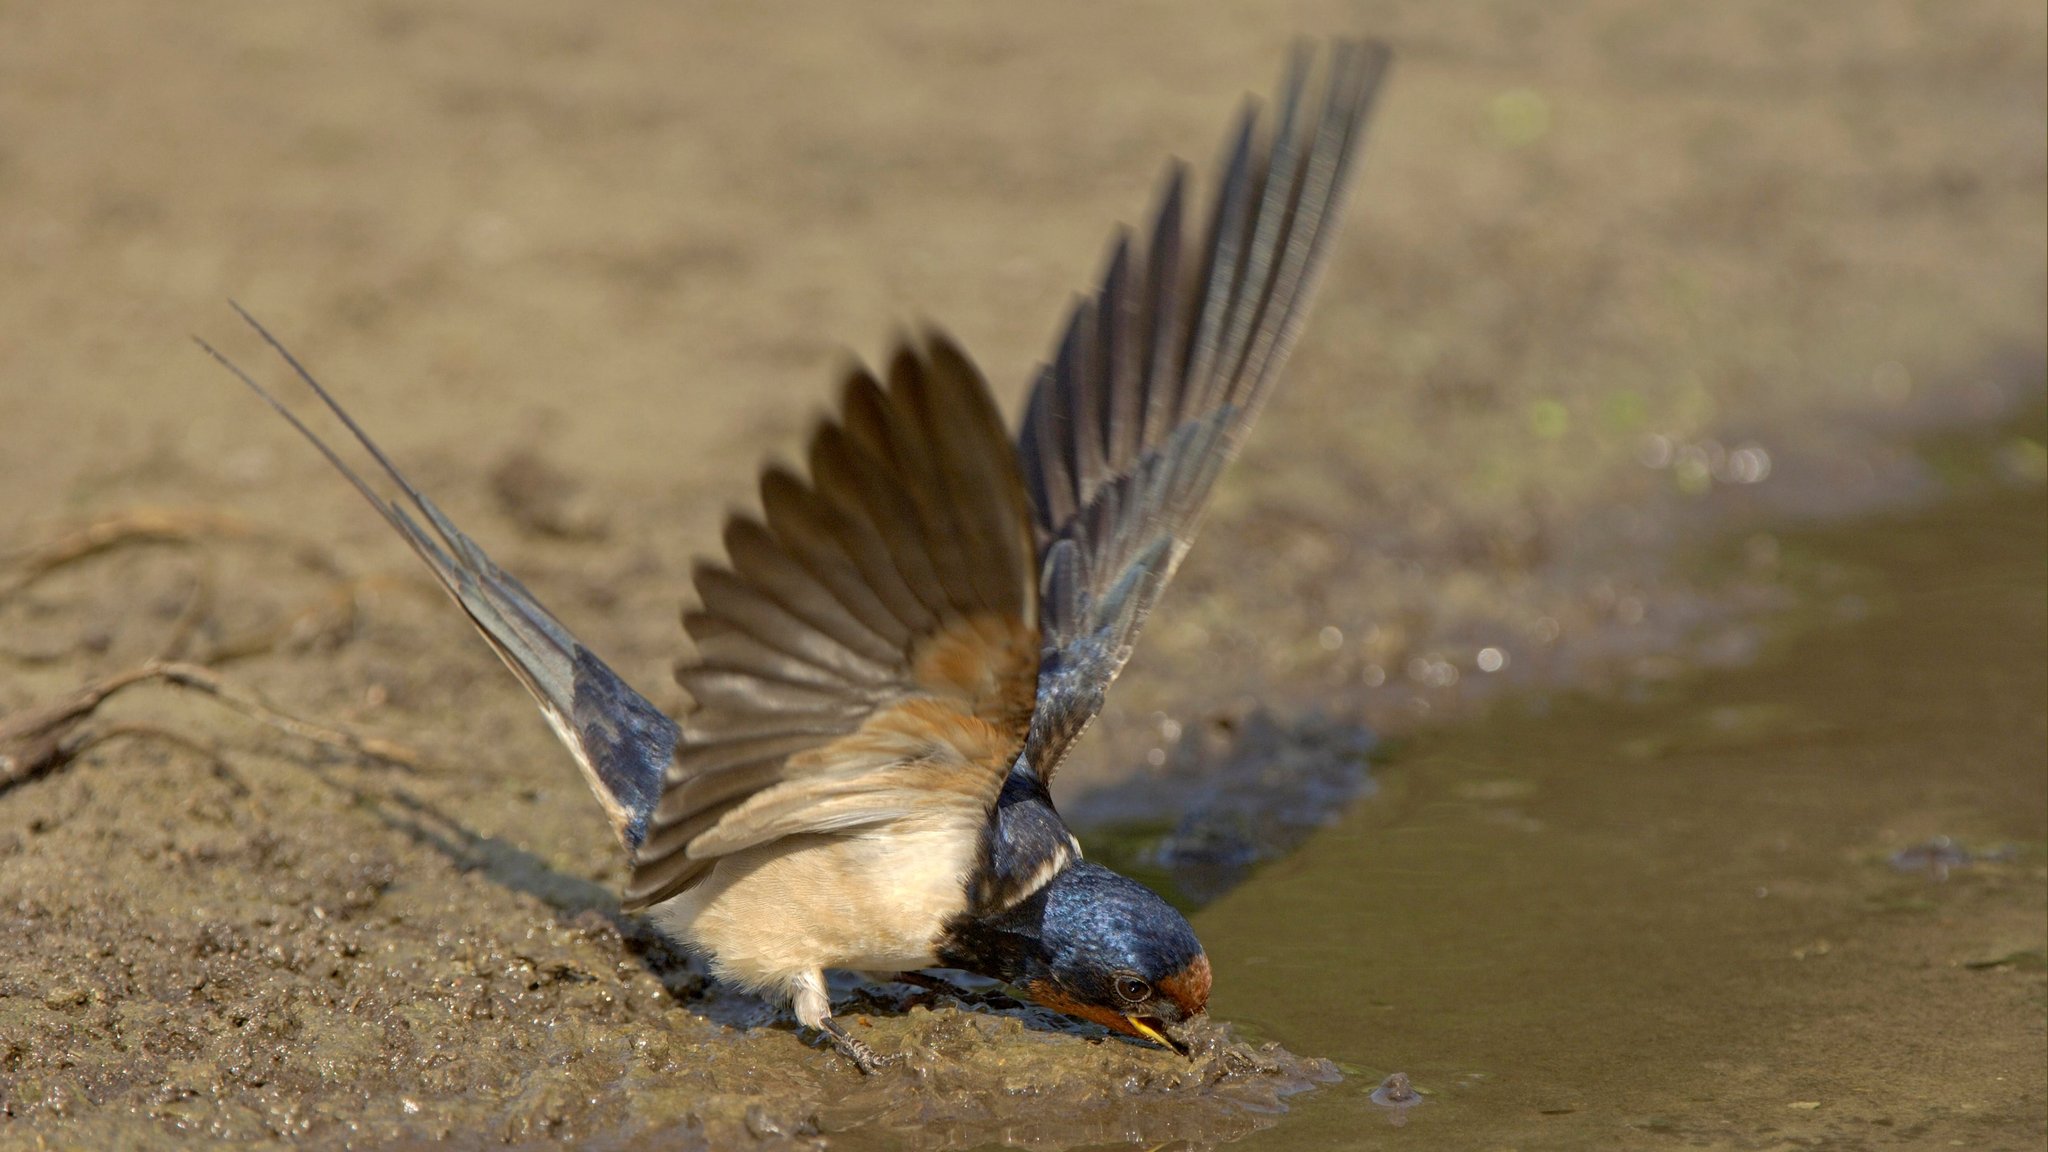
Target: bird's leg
x,y
814,1010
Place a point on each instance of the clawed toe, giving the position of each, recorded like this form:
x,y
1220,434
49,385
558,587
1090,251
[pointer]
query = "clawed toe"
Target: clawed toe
x,y
857,1050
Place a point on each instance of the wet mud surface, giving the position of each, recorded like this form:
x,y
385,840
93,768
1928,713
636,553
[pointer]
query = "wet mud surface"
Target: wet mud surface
x,y
1796,901
326,982
1627,296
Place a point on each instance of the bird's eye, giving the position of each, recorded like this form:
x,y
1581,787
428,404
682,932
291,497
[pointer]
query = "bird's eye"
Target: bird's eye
x,y
1133,990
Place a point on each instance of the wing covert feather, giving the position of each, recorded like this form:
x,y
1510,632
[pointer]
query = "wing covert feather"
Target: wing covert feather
x,y
870,650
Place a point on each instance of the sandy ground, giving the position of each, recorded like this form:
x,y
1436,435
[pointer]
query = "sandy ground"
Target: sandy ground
x,y
1596,253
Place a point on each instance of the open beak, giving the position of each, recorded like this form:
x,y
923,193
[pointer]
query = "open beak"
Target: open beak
x,y
1151,1030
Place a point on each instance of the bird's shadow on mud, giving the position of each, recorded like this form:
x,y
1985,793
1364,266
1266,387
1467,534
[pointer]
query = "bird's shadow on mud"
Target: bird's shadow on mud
x,y
581,903
594,908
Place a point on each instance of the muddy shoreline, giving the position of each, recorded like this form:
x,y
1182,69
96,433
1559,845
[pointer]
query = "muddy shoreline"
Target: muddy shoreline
x,y
420,978
1618,285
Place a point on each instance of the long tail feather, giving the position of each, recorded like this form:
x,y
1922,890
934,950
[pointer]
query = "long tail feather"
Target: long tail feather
x,y
623,743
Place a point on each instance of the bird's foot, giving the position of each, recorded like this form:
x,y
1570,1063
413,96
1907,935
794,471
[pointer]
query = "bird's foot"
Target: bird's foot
x,y
855,1049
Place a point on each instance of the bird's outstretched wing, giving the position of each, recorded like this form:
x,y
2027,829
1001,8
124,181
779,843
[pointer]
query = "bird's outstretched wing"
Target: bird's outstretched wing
x,y
929,602
622,742
1160,374
869,653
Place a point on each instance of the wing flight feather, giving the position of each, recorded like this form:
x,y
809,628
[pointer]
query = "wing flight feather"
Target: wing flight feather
x,y
1158,377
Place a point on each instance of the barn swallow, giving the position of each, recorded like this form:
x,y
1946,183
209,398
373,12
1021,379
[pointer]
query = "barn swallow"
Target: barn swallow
x,y
901,647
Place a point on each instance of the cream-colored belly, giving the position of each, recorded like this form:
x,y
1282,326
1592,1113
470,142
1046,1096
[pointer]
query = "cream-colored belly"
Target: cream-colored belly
x,y
769,916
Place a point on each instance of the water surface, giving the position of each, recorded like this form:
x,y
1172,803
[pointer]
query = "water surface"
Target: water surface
x,y
1716,913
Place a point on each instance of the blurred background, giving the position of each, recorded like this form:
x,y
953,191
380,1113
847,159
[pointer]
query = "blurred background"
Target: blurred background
x,y
1618,281
1605,263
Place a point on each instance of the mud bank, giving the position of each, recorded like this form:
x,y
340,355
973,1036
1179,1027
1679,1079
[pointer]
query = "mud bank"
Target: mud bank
x,y
1615,282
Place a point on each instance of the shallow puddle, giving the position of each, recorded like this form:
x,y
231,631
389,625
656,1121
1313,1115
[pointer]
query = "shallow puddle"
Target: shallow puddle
x,y
1721,913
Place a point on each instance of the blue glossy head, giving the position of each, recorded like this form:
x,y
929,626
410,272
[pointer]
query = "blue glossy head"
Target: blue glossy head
x,y
1113,952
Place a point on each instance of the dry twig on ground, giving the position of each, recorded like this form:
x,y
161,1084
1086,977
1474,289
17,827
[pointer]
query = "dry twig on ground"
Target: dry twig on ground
x,y
43,738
